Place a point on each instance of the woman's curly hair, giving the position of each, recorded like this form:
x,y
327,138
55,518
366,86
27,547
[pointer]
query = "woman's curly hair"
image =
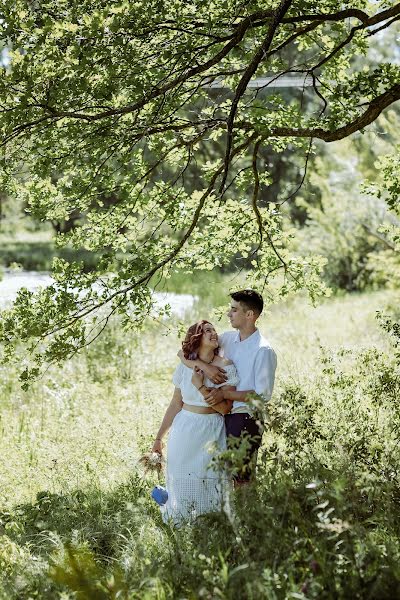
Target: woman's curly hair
x,y
191,343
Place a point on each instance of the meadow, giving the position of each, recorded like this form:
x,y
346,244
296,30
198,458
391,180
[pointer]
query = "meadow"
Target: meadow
x,y
321,521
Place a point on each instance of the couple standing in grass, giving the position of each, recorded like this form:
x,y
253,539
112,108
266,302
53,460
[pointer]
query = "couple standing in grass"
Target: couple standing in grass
x,y
214,384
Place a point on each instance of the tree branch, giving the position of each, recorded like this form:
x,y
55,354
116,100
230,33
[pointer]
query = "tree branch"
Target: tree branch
x,y
236,38
262,16
251,69
379,237
256,189
375,107
149,274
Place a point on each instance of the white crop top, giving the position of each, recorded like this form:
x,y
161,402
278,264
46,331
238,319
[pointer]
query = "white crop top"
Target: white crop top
x,y
182,379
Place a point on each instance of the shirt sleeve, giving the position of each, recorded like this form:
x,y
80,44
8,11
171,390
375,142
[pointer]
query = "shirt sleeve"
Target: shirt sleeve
x,y
264,371
177,377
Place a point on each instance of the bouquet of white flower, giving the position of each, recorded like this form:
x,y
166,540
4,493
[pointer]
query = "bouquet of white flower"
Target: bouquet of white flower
x,y
152,461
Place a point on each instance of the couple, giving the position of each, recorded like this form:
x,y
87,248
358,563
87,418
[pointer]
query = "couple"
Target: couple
x,y
213,386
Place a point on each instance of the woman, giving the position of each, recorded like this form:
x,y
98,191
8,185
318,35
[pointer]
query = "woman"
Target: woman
x,y
194,486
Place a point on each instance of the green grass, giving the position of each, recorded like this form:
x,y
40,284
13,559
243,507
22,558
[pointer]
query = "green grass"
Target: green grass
x,y
76,520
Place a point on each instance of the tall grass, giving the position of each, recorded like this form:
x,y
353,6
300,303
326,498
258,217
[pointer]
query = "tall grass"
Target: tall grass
x,y
322,521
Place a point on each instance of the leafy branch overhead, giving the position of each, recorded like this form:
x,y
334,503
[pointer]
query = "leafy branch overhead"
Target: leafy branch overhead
x,y
107,107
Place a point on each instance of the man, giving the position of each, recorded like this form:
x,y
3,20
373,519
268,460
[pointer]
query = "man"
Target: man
x,y
255,362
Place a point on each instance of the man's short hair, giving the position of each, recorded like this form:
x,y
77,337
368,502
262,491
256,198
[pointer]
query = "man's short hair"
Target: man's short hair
x,y
250,300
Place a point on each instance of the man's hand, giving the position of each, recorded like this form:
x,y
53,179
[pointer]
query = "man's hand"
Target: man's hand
x,y
215,374
215,396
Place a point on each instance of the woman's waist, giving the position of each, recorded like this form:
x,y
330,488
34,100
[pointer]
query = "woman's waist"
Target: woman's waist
x,y
201,410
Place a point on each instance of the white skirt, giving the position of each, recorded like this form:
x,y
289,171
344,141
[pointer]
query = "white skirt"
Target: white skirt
x,y
194,486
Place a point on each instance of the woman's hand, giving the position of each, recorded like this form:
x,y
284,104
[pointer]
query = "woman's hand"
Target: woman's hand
x,y
197,377
157,447
214,396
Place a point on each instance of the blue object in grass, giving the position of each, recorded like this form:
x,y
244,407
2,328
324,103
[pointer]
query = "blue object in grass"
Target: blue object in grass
x,y
159,494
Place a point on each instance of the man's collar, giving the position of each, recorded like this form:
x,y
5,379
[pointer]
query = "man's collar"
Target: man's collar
x,y
255,334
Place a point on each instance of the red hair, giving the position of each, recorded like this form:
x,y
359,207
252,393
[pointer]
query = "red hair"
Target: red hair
x,y
192,341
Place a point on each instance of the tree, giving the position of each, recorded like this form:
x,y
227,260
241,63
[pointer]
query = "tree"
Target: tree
x,y
115,99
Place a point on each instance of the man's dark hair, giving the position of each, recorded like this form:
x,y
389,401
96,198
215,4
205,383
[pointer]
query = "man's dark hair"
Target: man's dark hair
x,y
250,300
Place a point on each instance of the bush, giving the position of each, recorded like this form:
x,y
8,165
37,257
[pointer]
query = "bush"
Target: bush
x,y
344,230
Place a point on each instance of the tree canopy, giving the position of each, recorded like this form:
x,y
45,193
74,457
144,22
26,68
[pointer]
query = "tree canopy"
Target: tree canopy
x,y
105,108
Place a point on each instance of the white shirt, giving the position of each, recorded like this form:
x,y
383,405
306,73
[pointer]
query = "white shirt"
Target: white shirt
x,y
255,362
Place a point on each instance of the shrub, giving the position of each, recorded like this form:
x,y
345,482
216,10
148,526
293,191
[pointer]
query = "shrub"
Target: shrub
x,y
343,230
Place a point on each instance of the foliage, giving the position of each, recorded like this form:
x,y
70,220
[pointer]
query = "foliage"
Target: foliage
x,y
343,229
106,119
386,266
347,218
38,255
321,522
